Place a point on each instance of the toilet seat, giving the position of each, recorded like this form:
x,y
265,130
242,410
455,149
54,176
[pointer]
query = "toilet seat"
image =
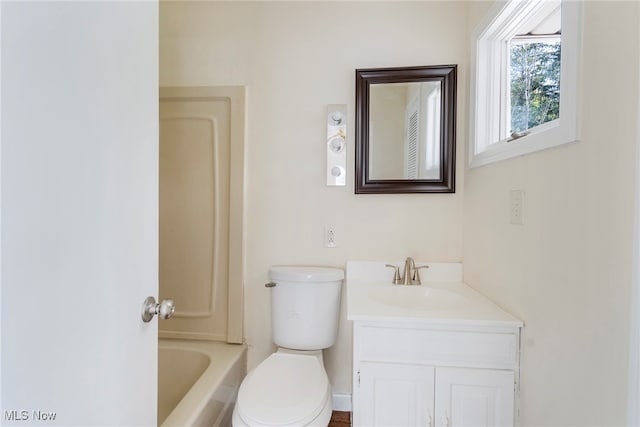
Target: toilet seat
x,y
284,390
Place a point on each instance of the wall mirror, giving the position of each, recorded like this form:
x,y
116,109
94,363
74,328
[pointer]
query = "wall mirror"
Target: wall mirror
x,y
405,129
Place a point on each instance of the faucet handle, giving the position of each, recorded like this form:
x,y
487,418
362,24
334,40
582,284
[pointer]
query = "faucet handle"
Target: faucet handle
x,y
416,274
396,274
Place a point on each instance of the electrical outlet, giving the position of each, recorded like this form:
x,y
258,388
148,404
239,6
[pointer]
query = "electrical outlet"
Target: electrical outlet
x,y
516,207
330,240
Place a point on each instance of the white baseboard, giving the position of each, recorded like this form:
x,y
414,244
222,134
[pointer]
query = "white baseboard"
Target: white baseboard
x,y
342,402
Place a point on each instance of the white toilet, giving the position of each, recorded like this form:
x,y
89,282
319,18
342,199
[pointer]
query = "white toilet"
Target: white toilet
x,y
290,387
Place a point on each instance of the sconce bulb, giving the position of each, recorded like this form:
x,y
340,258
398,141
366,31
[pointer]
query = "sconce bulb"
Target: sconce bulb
x,y
336,117
336,144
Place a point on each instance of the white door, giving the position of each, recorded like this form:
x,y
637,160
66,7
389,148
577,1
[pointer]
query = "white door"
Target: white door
x,y
79,212
474,397
395,395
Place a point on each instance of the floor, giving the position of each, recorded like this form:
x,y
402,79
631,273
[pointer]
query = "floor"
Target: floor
x,y
340,419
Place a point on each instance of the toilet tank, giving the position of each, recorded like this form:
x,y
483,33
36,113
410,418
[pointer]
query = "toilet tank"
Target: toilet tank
x,y
305,306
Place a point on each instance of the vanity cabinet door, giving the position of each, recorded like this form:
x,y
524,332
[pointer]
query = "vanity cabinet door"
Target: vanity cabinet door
x,y
395,395
474,397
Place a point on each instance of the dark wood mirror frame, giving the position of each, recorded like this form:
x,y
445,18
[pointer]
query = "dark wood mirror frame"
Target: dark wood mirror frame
x,y
446,74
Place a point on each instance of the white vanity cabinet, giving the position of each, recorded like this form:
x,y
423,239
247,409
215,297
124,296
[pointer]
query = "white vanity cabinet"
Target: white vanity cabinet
x,y
434,355
407,374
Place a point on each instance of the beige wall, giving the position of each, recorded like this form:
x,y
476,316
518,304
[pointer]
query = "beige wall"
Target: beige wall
x,y
295,59
567,271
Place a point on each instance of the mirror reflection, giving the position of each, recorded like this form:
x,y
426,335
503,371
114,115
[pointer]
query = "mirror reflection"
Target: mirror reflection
x,y
404,130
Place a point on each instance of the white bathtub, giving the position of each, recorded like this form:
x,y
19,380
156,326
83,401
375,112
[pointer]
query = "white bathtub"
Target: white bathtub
x,y
198,382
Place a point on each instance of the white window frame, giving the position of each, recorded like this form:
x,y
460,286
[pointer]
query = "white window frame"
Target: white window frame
x,y
489,71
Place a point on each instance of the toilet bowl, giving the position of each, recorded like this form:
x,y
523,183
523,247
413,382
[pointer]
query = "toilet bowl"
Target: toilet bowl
x,y
291,387
287,389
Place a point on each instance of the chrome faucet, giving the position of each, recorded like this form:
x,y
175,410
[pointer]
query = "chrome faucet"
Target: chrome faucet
x,y
409,268
410,275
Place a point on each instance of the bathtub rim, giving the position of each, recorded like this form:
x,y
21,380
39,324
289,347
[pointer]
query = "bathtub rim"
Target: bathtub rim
x,y
192,404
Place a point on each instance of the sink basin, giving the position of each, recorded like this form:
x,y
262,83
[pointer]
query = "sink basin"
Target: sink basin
x,y
443,297
416,297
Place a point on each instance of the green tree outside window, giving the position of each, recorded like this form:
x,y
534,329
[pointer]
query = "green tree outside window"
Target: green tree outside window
x,y
535,84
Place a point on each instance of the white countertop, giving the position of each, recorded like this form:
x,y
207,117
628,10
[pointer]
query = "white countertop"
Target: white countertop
x,y
441,299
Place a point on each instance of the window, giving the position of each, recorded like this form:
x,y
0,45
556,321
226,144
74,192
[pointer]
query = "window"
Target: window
x,y
534,82
525,79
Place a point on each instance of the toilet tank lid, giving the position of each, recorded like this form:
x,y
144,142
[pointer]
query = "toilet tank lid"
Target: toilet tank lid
x,y
289,273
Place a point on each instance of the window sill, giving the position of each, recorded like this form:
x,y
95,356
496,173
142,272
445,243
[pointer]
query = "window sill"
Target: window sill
x,y
547,136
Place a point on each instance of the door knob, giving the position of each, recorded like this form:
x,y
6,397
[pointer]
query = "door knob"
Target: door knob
x,y
149,309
